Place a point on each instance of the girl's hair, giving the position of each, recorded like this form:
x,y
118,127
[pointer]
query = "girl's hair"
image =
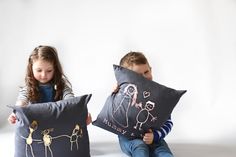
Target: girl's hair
x,y
132,58
59,80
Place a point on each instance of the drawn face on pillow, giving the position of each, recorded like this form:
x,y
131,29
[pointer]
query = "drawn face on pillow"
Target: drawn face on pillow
x,y
139,104
53,129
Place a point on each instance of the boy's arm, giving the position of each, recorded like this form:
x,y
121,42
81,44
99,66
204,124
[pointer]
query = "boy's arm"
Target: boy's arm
x,y
163,131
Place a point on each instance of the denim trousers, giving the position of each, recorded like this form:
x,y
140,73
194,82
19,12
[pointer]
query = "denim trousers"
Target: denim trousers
x,y
137,148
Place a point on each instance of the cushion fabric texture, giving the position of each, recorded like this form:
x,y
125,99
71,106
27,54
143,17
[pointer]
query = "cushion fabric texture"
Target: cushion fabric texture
x,y
53,129
138,105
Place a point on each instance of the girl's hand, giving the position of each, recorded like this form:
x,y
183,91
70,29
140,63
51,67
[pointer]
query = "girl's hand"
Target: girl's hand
x,y
12,118
148,137
89,119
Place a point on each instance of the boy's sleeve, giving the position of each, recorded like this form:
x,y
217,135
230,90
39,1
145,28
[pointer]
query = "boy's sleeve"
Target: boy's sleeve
x,y
163,131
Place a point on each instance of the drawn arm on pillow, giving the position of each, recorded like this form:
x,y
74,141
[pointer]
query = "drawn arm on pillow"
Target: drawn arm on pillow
x,y
29,139
127,98
77,132
47,140
143,115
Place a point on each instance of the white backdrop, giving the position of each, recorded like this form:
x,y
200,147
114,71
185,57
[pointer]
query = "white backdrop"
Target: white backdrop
x,y
191,44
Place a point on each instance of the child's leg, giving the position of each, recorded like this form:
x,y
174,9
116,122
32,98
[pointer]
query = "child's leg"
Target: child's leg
x,y
134,148
162,150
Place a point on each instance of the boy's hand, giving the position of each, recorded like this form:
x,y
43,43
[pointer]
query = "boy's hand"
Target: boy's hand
x,y
115,88
89,119
12,118
148,137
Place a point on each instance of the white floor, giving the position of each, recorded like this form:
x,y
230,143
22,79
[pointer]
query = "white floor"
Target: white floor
x,y
107,146
111,149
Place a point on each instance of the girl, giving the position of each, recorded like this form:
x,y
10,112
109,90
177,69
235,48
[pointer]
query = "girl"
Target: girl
x,y
45,80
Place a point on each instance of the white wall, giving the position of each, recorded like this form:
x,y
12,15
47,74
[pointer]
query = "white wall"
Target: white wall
x,y
191,44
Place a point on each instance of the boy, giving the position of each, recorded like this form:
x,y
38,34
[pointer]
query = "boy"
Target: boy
x,y
153,143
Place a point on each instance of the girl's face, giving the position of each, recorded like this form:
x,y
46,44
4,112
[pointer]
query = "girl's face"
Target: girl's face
x,y
43,71
143,69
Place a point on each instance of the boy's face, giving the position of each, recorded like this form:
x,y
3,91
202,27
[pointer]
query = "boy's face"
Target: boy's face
x,y
143,69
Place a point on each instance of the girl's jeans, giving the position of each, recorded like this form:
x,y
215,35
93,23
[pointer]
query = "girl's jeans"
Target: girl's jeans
x,y
137,148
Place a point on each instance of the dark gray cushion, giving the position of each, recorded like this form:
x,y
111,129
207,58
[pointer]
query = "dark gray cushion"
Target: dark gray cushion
x,y
139,104
53,129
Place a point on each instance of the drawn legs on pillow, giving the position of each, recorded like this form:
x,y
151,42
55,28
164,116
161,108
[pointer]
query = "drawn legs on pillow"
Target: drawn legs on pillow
x,y
127,99
143,115
77,132
47,140
29,139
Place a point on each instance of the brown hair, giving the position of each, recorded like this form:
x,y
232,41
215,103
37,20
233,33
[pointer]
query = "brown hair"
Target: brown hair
x,y
59,80
132,58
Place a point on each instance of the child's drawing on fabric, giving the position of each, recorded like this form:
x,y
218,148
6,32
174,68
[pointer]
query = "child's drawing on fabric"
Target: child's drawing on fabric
x,y
127,99
77,132
143,115
146,94
29,139
47,139
138,105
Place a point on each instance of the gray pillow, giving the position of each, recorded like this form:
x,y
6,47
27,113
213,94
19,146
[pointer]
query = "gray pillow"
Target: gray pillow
x,y
139,104
53,129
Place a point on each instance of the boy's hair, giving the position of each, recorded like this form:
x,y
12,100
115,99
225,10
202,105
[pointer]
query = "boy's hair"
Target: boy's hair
x,y
132,58
59,80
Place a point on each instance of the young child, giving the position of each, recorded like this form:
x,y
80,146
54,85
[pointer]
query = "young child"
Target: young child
x,y
153,143
45,80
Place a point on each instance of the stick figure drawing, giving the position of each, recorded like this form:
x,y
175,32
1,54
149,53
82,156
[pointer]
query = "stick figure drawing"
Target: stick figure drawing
x,y
143,115
77,132
47,140
29,139
127,99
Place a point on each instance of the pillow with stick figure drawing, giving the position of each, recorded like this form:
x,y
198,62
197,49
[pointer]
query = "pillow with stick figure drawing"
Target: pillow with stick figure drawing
x,y
53,129
138,105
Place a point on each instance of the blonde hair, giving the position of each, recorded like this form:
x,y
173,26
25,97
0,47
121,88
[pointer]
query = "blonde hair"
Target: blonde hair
x,y
132,58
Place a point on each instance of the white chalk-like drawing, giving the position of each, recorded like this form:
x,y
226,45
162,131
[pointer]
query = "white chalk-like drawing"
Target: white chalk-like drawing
x,y
143,115
29,140
127,99
146,94
76,133
47,140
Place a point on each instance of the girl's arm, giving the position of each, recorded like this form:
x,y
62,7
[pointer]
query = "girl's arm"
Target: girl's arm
x,y
67,92
21,101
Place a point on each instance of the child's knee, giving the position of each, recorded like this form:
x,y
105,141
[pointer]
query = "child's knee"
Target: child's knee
x,y
139,144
